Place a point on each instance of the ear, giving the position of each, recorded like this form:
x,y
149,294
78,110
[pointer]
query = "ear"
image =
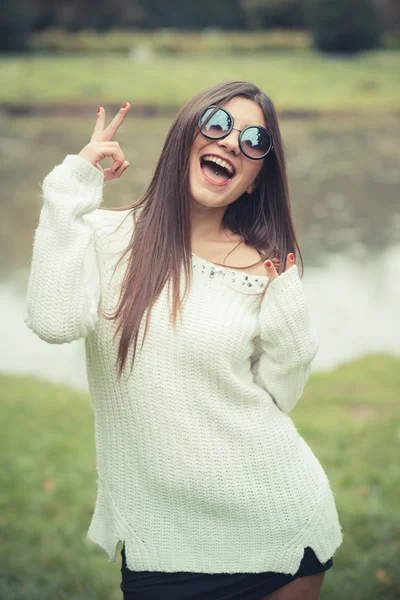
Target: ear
x,y
251,189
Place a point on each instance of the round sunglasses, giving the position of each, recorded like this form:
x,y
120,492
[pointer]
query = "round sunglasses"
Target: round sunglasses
x,y
254,141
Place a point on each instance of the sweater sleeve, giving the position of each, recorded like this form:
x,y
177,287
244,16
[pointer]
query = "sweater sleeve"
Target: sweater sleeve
x,y
63,290
288,340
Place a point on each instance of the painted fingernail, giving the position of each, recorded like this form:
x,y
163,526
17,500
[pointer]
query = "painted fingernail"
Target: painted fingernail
x,y
99,109
268,263
291,256
124,105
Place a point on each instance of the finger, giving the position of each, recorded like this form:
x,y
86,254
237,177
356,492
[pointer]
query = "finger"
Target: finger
x,y
99,125
271,271
124,167
114,152
118,172
289,260
118,163
116,123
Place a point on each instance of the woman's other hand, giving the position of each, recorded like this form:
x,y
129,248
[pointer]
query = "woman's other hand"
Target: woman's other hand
x,y
271,270
272,273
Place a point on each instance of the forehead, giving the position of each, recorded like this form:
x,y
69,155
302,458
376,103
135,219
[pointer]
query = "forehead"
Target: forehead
x,y
245,112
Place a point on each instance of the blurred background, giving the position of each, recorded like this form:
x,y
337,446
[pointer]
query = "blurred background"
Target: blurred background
x,y
332,68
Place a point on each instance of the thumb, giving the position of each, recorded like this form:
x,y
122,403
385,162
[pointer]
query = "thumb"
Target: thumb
x,y
109,175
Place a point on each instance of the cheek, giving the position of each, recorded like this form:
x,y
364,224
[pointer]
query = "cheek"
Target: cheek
x,y
192,163
250,172
194,152
198,142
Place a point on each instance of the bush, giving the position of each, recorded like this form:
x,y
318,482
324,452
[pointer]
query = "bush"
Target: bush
x,y
172,42
275,14
345,26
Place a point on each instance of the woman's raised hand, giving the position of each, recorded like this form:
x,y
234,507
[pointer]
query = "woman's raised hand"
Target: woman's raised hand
x,y
100,144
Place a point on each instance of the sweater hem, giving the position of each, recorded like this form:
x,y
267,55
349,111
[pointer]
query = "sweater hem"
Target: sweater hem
x,y
284,562
324,536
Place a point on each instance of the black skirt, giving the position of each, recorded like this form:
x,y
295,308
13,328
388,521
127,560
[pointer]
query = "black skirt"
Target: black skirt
x,y
154,585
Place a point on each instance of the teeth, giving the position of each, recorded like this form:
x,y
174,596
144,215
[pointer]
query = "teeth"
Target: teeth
x,y
220,162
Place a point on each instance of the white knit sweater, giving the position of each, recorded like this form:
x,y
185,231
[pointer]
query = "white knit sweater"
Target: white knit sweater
x,y
200,468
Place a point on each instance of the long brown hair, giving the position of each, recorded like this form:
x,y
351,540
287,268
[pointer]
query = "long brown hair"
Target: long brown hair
x,y
161,237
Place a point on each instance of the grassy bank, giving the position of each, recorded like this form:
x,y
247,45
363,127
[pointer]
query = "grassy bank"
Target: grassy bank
x,y
296,80
349,417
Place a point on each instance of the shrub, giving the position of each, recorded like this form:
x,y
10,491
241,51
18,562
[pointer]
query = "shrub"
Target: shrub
x,y
345,26
169,41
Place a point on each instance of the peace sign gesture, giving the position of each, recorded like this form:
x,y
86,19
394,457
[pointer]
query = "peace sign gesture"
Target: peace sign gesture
x,y
100,144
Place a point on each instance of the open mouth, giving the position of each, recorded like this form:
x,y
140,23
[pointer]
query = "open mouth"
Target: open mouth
x,y
216,169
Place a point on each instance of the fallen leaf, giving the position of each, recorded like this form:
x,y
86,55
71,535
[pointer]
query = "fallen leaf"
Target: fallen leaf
x,y
362,490
382,576
48,484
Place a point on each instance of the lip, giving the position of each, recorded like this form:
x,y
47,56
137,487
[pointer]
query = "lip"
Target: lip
x,y
223,183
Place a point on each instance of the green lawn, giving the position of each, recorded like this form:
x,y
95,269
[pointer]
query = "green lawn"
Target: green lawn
x,y
349,417
296,80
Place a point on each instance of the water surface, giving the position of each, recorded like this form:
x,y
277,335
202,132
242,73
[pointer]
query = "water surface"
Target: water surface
x,y
344,180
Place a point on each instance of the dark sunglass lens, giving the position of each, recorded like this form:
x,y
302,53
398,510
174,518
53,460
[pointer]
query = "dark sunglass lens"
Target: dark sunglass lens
x,y
256,142
218,125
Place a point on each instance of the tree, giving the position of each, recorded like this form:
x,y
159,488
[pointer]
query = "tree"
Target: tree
x,y
194,15
268,14
345,26
16,21
76,15
390,11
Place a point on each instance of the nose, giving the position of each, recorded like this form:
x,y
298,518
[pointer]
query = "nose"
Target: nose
x,y
230,142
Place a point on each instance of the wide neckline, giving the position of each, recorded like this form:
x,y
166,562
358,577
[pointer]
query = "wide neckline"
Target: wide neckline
x,y
241,274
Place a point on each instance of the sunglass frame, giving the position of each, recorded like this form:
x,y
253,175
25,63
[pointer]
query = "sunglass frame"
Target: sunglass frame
x,y
200,125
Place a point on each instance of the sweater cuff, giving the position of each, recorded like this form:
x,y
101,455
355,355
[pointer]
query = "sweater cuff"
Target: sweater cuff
x,y
285,280
74,187
83,169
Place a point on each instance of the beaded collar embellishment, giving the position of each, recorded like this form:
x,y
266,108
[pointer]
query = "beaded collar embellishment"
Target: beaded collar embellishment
x,y
246,283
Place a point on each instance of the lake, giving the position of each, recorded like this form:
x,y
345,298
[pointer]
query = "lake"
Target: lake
x,y
344,180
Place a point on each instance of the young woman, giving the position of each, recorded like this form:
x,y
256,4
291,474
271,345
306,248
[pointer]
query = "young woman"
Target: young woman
x,y
202,474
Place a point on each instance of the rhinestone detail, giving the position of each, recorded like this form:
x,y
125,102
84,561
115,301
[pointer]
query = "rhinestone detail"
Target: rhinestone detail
x,y
235,279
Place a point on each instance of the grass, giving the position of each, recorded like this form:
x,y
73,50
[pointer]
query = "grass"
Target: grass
x,y
296,80
349,417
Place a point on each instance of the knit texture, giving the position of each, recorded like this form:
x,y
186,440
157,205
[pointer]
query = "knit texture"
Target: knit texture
x,y
200,467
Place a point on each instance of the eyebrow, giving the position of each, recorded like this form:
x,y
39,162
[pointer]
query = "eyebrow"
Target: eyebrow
x,y
252,124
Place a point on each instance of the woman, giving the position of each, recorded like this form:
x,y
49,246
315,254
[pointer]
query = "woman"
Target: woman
x,y
202,474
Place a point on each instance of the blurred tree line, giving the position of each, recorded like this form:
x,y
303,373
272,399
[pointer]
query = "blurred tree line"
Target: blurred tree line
x,y
336,25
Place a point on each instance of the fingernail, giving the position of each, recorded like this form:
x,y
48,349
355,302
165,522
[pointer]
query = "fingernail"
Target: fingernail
x,y
99,109
268,263
291,256
124,105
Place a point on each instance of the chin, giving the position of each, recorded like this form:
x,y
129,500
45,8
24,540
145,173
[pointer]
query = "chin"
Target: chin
x,y
209,201
211,195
